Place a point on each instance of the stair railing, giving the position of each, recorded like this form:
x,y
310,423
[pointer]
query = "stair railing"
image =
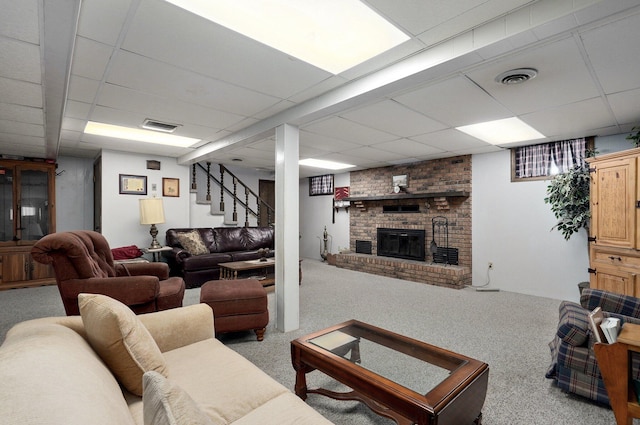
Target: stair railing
x,y
262,207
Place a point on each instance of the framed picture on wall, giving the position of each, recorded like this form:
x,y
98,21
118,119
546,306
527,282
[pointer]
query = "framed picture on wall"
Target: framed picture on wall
x,y
321,185
133,185
170,187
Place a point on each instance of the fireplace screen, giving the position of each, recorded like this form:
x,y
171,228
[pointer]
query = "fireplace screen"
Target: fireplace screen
x,y
401,243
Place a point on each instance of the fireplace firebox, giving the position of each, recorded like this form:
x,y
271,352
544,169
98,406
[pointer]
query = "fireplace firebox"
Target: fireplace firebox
x,y
401,243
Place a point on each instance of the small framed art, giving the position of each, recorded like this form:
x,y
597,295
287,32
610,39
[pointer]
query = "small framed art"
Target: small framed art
x,y
133,185
170,187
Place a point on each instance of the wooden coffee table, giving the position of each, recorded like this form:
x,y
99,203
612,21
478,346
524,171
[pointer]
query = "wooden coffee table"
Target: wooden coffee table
x,y
264,270
398,377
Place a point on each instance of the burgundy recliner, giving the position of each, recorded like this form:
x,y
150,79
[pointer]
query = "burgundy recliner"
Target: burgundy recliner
x,y
83,263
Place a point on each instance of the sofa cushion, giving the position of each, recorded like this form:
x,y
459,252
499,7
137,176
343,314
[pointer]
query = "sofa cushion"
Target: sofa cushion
x,y
165,403
51,375
192,242
205,262
120,339
225,385
229,239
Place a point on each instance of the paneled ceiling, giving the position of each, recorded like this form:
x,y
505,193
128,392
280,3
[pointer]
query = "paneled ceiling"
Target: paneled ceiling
x,y
64,62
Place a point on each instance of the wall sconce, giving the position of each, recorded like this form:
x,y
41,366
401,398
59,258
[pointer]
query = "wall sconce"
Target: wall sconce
x,y
152,212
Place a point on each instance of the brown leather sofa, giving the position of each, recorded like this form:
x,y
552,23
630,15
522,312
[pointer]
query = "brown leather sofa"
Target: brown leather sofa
x,y
224,244
83,262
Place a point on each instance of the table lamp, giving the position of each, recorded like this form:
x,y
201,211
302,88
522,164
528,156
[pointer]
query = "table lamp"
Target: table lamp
x,y
152,212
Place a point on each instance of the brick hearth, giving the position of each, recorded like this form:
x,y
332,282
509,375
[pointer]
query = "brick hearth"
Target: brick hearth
x,y
439,177
416,271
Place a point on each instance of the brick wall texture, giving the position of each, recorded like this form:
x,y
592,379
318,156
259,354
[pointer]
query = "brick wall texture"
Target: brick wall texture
x,y
441,175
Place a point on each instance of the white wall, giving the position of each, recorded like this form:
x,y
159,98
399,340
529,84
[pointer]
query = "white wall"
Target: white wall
x,y
512,229
74,194
315,214
121,214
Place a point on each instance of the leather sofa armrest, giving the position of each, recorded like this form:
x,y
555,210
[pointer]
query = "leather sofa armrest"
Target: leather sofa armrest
x,y
130,290
159,270
179,327
176,255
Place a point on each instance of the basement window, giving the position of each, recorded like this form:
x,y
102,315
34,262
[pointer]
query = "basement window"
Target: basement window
x,y
543,161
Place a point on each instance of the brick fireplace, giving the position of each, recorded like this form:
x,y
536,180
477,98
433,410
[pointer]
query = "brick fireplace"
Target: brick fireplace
x,y
439,189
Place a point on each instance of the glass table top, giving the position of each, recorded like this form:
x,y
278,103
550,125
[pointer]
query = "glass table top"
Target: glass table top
x,y
418,367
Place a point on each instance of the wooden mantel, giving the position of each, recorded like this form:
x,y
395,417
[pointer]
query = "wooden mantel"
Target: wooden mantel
x,y
401,196
439,200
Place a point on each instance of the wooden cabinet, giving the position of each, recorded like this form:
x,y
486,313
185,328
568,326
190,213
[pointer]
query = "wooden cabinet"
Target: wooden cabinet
x,y
27,211
615,237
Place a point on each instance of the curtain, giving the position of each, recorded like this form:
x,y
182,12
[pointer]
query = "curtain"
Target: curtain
x,y
549,158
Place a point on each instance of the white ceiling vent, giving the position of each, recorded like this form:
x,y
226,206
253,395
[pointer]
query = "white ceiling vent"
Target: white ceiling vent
x,y
154,125
517,76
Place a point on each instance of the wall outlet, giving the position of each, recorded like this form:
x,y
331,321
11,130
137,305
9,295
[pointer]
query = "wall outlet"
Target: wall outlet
x,y
490,265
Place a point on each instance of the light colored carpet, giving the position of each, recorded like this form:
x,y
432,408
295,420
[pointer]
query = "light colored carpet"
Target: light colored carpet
x,y
508,331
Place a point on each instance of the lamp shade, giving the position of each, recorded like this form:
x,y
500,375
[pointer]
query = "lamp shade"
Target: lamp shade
x,y
151,211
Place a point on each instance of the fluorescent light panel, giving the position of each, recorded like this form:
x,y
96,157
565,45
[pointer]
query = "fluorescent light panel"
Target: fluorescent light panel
x,y
138,135
333,35
319,163
508,130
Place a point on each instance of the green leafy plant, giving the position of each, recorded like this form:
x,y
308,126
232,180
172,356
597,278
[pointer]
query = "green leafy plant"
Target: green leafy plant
x,y
635,137
568,195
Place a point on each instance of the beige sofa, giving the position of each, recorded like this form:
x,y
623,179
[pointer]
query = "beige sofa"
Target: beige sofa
x,y
49,374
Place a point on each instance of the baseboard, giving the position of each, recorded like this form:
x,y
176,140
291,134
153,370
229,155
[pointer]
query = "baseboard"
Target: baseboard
x,y
487,290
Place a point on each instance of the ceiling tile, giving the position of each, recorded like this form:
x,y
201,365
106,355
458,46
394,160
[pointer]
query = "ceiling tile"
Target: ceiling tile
x,y
394,118
103,20
407,147
613,51
456,101
342,129
20,92
160,108
164,80
626,106
21,113
568,121
90,58
20,60
19,20
450,140
83,89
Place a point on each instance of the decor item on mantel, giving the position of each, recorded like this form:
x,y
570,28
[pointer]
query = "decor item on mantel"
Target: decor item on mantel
x,y
400,183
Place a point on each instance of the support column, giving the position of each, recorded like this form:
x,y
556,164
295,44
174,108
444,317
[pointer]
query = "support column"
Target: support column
x,y
287,229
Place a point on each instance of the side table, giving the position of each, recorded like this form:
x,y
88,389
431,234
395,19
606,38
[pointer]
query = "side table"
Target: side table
x,y
154,251
614,364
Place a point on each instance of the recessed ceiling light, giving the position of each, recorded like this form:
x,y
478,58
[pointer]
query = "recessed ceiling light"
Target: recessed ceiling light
x,y
146,136
319,163
333,35
508,130
517,76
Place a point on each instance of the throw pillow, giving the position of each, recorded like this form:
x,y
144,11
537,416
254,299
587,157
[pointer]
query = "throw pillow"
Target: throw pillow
x,y
120,339
192,242
165,403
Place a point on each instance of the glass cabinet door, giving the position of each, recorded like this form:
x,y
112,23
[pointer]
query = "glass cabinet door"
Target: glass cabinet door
x,y
7,224
34,204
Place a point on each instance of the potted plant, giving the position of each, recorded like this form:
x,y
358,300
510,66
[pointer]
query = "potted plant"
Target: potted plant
x,y
635,137
568,195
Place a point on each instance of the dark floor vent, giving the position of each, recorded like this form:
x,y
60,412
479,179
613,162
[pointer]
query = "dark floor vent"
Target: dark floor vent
x,y
363,247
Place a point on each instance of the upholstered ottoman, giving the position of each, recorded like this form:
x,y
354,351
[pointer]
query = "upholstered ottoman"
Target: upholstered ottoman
x,y
238,305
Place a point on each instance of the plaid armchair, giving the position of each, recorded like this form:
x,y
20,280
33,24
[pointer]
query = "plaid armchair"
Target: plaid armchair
x,y
573,361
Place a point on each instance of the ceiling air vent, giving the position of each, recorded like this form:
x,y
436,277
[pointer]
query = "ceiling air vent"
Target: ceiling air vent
x,y
517,76
154,125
